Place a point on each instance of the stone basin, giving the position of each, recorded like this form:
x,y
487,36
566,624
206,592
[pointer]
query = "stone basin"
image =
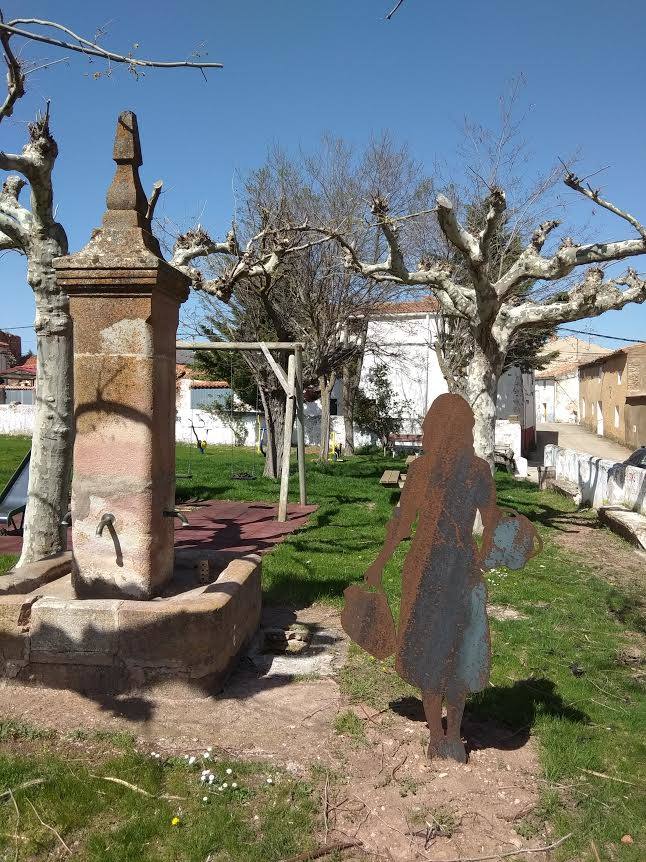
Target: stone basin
x,y
193,631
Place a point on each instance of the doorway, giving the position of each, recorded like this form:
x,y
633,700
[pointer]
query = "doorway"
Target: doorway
x,y
600,418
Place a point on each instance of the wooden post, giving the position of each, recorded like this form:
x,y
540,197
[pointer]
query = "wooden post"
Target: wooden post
x,y
300,427
287,439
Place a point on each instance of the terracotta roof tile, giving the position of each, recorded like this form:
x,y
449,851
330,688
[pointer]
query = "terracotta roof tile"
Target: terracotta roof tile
x,y
416,306
209,384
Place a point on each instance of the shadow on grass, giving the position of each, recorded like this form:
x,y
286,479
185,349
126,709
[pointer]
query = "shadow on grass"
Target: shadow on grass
x,y
526,498
502,716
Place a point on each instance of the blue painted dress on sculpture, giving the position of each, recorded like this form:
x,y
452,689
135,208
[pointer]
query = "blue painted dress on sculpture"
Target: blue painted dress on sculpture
x,y
443,636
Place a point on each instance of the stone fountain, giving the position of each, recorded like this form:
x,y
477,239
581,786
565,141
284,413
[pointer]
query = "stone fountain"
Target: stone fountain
x,y
124,609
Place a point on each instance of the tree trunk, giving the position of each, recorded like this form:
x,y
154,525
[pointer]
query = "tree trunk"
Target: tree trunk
x,y
482,391
326,385
351,380
51,448
350,386
273,402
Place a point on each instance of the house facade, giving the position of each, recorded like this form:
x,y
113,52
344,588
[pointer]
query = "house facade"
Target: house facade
x,y
613,395
403,335
17,386
193,419
556,387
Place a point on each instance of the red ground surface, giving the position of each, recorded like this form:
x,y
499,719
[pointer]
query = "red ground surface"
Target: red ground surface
x,y
220,525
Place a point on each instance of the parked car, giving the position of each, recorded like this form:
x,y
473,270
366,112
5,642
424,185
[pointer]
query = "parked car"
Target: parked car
x,y
638,458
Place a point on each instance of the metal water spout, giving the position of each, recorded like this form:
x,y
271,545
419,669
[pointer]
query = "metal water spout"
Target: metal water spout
x,y
106,519
174,513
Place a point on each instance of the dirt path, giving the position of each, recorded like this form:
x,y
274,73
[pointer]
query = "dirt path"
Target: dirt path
x,y
375,783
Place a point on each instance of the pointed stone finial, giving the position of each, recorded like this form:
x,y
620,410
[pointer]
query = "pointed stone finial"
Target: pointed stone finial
x,y
127,146
126,200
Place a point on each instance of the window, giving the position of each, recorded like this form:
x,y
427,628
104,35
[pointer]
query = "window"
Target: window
x,y
616,417
201,398
19,396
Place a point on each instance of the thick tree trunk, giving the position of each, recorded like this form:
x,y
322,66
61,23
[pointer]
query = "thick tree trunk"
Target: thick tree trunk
x,y
481,393
273,402
51,448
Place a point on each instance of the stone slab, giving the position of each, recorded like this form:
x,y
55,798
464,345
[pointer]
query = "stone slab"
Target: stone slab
x,y
630,525
565,488
25,579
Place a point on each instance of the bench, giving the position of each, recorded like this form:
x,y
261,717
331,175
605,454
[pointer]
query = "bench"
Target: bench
x,y
405,442
390,478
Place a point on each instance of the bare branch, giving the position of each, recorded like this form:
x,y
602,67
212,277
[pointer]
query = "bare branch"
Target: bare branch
x,y
197,243
92,49
454,232
152,200
15,76
394,9
496,209
541,233
531,265
590,298
15,220
573,182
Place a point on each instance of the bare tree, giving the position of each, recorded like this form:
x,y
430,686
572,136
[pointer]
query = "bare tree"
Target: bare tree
x,y
493,304
304,290
34,232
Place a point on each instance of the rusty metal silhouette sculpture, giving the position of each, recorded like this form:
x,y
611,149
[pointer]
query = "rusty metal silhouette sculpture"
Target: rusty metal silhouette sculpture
x,y
442,644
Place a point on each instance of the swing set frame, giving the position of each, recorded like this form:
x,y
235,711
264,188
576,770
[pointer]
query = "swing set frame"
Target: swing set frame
x,y
292,384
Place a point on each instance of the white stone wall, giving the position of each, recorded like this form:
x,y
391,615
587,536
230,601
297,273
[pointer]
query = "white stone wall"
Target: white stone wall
x,y
210,428
600,481
207,426
510,434
17,419
557,398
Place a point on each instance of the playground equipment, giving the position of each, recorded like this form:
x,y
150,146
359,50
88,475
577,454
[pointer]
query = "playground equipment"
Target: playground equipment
x,y
13,499
335,449
292,384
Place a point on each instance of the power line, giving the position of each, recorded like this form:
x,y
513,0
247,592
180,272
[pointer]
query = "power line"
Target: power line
x,y
14,328
601,335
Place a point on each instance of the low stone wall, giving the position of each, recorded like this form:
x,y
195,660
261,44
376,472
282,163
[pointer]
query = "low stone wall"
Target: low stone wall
x,y
17,419
601,482
195,635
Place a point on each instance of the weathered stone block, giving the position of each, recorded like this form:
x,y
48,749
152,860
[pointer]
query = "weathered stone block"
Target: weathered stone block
x,y
73,630
26,579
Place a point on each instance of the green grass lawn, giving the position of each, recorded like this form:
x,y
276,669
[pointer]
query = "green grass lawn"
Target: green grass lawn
x,y
12,451
556,675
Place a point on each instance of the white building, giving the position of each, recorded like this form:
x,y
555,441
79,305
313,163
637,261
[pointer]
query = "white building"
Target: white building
x,y
194,421
556,388
403,335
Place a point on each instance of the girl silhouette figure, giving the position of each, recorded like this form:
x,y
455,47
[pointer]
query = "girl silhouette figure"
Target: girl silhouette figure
x,y
443,644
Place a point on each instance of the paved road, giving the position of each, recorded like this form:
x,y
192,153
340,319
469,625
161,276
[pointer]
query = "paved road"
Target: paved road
x,y
576,437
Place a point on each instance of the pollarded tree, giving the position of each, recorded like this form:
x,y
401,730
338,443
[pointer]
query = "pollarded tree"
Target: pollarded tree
x,y
492,302
34,232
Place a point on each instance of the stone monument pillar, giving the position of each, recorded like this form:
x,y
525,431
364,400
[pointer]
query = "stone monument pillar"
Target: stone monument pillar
x,y
124,301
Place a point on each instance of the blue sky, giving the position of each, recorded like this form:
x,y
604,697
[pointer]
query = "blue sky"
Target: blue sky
x,y
296,68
